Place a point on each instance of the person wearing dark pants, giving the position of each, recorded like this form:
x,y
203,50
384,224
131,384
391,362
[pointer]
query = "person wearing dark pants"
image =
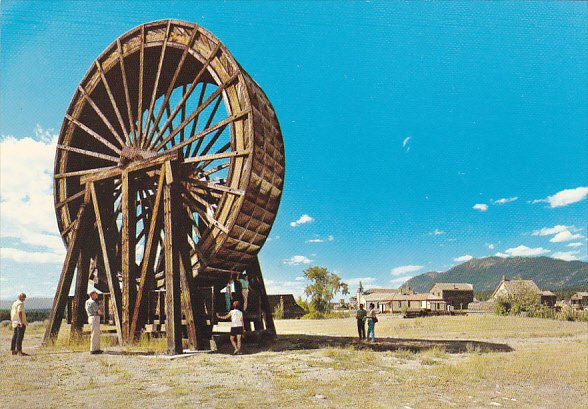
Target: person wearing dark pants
x,y
361,316
19,323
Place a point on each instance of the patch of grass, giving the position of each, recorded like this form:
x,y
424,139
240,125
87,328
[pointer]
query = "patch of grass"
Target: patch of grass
x,y
406,354
429,361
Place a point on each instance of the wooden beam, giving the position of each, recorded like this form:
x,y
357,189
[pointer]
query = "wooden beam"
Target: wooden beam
x,y
67,272
216,156
80,292
173,310
254,271
128,253
134,166
111,277
88,153
149,255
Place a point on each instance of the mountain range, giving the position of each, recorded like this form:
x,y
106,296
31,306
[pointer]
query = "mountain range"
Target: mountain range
x,y
485,273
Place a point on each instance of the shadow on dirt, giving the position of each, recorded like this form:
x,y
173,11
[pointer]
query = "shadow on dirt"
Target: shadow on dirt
x,y
296,342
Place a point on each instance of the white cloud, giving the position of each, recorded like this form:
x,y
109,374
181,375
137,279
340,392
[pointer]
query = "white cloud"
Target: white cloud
x,y
397,282
20,256
462,259
366,282
565,197
506,200
565,255
436,232
284,287
577,244
300,278
491,246
302,220
26,197
480,206
317,240
297,260
548,231
523,251
397,271
565,236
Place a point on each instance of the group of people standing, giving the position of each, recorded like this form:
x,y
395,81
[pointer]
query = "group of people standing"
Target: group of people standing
x,y
237,290
370,316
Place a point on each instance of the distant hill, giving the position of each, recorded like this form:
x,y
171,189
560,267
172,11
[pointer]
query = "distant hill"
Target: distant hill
x,y
485,273
32,303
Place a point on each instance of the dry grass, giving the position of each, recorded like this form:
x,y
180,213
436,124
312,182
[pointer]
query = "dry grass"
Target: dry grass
x,y
548,368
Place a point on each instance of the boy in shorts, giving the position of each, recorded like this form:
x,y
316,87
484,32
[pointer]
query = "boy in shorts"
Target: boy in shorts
x,y
237,325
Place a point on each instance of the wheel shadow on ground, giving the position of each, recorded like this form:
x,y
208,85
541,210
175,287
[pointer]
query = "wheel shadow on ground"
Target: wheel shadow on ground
x,y
284,343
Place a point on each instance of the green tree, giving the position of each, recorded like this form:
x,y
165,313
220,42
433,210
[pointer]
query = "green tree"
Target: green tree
x,y
323,288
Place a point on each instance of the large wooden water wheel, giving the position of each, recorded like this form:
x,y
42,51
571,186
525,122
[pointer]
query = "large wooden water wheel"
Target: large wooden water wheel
x,y
168,175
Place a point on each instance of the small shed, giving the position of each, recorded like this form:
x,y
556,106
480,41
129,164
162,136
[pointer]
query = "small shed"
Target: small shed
x,y
511,288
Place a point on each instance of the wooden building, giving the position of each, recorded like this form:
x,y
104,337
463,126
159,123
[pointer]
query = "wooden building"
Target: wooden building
x,y
458,295
290,308
512,288
579,301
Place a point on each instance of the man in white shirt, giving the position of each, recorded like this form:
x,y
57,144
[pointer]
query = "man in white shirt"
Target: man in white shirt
x,y
237,325
93,310
18,317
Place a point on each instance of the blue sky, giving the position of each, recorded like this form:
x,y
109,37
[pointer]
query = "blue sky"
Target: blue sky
x,y
417,134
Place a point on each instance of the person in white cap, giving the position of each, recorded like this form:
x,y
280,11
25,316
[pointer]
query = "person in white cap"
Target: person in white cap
x,y
93,310
19,323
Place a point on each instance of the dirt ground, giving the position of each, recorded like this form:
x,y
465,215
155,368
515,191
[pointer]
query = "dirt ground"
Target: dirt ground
x,y
437,362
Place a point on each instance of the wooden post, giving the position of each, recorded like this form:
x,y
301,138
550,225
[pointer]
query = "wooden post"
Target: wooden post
x,y
128,243
173,311
67,272
107,258
80,296
254,271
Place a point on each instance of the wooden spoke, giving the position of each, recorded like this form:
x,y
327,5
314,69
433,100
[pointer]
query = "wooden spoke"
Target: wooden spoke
x,y
183,117
173,83
94,134
197,111
141,70
156,85
215,156
212,141
112,101
215,169
217,186
195,123
101,115
206,214
69,199
82,172
188,93
88,153
127,96
199,135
